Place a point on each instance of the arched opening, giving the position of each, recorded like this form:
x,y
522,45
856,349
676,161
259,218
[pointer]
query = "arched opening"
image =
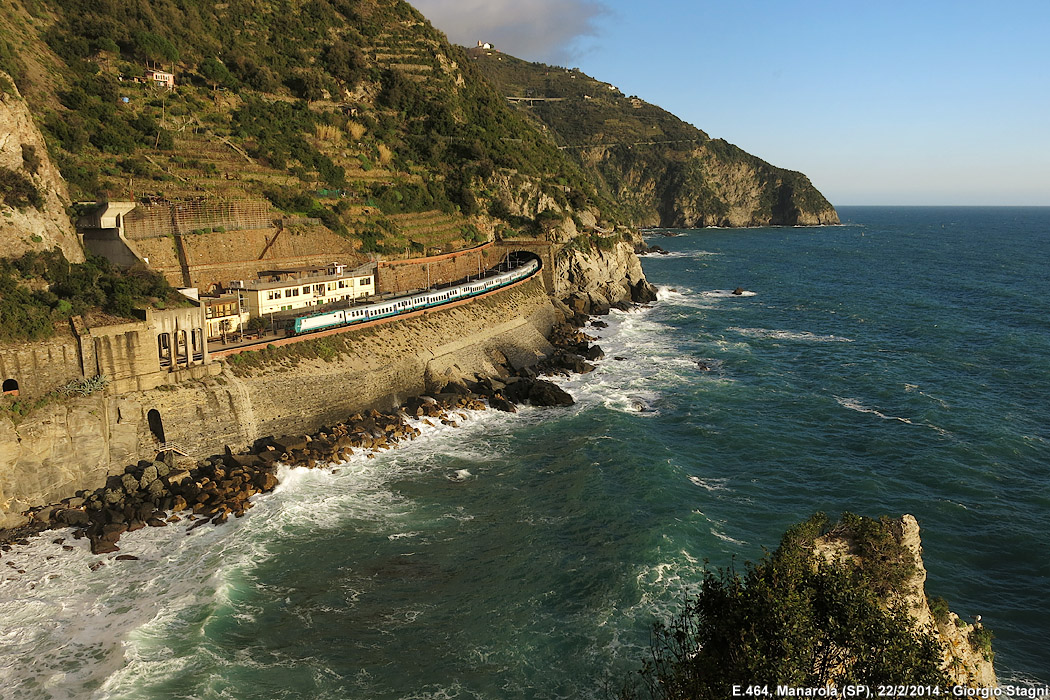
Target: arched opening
x,y
182,357
156,426
11,387
164,349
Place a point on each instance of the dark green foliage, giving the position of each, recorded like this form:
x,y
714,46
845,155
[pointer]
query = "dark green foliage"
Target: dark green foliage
x,y
154,48
787,620
459,134
981,639
30,158
216,73
344,60
277,130
73,288
939,609
305,204
11,64
97,116
18,191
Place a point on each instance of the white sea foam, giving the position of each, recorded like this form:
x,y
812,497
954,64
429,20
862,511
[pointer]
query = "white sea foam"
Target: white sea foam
x,y
106,628
460,475
109,629
726,538
773,334
856,405
709,484
681,254
727,294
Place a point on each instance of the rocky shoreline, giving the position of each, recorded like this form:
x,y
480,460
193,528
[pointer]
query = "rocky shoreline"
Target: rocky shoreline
x,y
161,492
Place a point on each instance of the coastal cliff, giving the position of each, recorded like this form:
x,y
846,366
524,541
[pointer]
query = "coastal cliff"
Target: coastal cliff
x,y
835,605
659,170
964,658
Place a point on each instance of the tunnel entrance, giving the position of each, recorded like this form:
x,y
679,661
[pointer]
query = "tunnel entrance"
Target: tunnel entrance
x,y
156,425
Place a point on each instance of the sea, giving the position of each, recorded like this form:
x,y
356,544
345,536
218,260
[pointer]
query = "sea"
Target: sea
x,y
898,363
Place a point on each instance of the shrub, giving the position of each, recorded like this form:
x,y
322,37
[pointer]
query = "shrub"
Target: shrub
x,y
18,191
787,620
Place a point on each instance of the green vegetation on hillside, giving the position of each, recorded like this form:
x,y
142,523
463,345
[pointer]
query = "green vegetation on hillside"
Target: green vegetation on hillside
x,y
18,191
359,97
661,170
794,620
40,289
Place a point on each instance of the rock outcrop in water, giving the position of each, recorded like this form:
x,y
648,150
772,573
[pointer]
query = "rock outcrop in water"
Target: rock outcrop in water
x,y
967,657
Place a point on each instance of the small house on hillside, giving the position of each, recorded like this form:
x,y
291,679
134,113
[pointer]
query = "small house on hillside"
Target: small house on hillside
x,y
161,78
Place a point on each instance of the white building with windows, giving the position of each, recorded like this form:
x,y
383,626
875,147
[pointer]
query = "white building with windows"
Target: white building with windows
x,y
304,287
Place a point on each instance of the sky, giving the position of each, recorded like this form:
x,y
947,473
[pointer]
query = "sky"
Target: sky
x,y
877,101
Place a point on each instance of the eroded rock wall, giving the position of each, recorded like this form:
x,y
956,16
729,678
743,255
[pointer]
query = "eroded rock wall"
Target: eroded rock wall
x,y
605,276
23,151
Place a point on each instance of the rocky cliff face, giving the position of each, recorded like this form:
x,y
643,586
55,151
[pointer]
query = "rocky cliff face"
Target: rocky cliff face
x,y
657,169
24,153
713,184
604,275
966,664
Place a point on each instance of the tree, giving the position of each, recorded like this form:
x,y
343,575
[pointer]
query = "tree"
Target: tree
x,y
216,73
789,620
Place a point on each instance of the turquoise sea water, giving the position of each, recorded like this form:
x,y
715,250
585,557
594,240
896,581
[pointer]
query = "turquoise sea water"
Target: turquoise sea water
x,y
897,364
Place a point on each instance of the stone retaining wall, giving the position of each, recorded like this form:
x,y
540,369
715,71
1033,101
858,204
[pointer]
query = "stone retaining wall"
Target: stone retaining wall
x,y
74,444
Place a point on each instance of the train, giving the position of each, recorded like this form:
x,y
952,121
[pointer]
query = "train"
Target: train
x,y
423,300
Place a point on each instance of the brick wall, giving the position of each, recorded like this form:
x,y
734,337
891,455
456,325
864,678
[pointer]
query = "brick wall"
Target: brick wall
x,y
406,275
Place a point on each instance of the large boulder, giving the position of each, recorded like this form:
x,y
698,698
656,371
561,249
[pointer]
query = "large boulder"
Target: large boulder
x,y
544,393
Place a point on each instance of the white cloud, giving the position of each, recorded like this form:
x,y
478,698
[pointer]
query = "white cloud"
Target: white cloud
x,y
536,30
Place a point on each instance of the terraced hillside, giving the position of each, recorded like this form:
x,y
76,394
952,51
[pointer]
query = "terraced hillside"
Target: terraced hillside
x,y
354,112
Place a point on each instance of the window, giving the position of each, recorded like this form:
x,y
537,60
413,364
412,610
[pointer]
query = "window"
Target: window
x,y
197,340
365,281
306,289
288,292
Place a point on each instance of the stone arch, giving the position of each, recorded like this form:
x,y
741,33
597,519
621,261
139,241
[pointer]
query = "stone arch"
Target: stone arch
x,y
11,387
156,425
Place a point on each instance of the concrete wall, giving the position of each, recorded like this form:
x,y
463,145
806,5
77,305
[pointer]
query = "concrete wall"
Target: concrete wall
x,y
42,366
384,365
201,260
74,444
416,273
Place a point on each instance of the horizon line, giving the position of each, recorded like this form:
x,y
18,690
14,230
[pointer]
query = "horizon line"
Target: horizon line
x,y
955,206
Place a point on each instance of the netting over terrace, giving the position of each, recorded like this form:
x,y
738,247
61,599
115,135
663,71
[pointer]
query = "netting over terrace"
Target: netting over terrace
x,y
177,218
